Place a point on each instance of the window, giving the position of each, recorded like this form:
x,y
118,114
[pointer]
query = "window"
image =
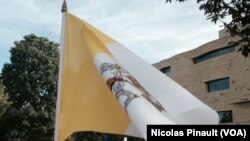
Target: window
x,y
165,69
213,54
225,116
217,85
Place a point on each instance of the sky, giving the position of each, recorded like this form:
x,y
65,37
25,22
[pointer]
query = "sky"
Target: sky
x,y
151,29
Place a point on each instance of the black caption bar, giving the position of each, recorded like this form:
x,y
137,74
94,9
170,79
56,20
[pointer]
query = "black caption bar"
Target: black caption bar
x,y
198,132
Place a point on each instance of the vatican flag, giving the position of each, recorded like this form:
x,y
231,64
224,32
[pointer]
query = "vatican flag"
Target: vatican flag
x,y
104,87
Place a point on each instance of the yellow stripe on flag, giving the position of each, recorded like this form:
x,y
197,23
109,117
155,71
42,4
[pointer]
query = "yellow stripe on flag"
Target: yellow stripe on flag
x,y
86,104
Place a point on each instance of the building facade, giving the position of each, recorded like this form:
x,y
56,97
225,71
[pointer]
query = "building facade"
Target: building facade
x,y
217,74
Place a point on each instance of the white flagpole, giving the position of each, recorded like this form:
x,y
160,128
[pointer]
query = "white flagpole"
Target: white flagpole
x,y
62,45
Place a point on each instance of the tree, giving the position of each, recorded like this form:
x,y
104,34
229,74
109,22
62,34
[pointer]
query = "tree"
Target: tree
x,y
31,83
239,13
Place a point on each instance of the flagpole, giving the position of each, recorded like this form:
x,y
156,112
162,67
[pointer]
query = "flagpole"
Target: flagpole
x,y
64,7
62,44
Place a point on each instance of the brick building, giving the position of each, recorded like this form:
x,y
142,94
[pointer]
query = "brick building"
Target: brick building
x,y
217,75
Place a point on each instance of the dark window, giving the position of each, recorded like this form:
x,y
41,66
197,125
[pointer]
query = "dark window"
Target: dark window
x,y
165,69
213,54
217,85
225,116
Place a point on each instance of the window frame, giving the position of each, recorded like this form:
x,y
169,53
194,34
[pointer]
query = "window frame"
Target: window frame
x,y
214,53
210,84
165,69
230,120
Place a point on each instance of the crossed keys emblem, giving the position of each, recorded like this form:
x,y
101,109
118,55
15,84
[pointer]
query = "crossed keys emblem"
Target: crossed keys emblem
x,y
122,83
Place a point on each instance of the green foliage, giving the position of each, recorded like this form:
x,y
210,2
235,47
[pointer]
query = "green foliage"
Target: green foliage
x,y
239,13
26,124
31,83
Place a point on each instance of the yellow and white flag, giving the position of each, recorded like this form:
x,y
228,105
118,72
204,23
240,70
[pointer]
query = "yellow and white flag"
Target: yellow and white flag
x,y
104,87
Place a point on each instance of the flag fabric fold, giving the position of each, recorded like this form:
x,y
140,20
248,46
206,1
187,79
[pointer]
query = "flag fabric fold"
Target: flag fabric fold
x,y
104,87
